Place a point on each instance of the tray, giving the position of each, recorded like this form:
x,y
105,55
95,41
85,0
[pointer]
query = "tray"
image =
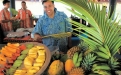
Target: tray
x,y
17,34
47,60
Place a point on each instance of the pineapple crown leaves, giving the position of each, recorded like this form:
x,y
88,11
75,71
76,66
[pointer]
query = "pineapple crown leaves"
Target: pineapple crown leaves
x,y
88,61
103,29
113,63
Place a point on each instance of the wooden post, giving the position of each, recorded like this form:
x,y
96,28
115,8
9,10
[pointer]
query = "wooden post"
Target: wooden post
x,y
12,5
112,7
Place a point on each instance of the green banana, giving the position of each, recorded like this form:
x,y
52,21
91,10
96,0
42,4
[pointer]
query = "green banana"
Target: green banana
x,y
102,67
80,57
102,72
75,58
102,55
77,64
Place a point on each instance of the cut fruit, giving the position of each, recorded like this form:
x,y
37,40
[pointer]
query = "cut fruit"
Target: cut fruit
x,y
29,46
11,71
6,52
41,52
33,70
28,61
33,55
2,62
33,51
40,58
22,57
13,50
38,64
17,63
20,72
40,47
2,57
22,47
25,51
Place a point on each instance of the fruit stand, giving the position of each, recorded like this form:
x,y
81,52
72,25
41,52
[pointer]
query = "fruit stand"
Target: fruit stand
x,y
94,55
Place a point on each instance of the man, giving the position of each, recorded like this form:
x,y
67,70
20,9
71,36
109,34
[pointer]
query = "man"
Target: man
x,y
52,22
5,17
25,16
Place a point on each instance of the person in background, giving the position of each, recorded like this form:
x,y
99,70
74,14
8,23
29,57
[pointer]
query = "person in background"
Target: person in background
x,y
52,22
5,17
25,16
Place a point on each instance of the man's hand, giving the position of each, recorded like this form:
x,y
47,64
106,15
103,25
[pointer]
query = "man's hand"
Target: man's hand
x,y
37,37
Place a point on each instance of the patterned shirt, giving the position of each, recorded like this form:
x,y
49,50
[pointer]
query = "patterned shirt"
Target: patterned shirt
x,y
5,15
25,16
58,24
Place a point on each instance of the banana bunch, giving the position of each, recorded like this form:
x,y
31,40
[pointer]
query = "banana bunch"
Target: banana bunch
x,y
101,69
104,52
102,72
77,58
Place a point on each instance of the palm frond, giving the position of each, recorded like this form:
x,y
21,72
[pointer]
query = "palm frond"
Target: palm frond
x,y
103,29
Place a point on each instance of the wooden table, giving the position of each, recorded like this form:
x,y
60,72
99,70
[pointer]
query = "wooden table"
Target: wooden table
x,y
21,40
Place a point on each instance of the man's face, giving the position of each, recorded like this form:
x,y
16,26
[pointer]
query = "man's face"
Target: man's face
x,y
23,5
48,7
7,5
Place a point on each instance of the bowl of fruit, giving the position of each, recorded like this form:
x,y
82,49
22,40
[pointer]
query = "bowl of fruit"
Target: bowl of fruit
x,y
28,59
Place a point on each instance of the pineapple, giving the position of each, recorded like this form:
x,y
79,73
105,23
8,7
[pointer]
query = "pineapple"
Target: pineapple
x,y
76,71
71,51
88,61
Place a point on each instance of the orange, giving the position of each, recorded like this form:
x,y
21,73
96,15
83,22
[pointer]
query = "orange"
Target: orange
x,y
69,65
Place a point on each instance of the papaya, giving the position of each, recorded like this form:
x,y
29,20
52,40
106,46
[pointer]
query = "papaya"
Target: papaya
x,y
2,62
22,47
56,68
13,50
2,57
69,65
6,52
13,45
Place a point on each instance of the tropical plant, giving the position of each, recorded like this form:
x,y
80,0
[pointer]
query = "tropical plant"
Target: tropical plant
x,y
104,38
13,11
103,29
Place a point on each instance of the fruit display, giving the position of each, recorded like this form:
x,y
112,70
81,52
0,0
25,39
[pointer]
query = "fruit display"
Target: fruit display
x,y
25,58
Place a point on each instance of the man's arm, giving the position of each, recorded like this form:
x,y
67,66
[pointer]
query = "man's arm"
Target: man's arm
x,y
37,32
